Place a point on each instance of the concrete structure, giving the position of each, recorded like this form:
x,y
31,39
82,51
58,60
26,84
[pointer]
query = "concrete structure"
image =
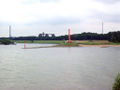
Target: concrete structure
x,y
46,35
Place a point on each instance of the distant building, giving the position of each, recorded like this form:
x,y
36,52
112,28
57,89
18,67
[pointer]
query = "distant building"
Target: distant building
x,y
42,35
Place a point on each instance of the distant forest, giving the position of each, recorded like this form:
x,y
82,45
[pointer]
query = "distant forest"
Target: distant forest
x,y
111,36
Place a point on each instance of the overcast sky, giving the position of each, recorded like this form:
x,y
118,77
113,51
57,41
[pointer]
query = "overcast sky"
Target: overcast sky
x,y
31,17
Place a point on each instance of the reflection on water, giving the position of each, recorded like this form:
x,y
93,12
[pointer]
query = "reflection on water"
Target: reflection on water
x,y
83,68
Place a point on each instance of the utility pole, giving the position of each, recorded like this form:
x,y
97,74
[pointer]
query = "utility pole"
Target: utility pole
x,y
103,34
10,32
102,28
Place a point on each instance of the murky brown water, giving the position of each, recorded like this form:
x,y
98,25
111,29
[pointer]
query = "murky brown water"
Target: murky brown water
x,y
83,68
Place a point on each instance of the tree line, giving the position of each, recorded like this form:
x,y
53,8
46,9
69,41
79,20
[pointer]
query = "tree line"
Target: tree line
x,y
111,36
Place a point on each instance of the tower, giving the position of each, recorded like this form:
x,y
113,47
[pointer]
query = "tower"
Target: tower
x,y
69,38
10,32
102,27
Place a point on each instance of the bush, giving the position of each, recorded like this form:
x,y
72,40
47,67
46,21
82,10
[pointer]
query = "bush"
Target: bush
x,y
6,41
116,85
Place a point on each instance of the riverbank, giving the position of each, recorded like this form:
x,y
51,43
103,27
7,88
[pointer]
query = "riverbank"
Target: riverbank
x,y
74,43
6,42
84,42
81,45
40,41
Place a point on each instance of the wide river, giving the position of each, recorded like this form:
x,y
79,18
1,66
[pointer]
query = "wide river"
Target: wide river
x,y
76,68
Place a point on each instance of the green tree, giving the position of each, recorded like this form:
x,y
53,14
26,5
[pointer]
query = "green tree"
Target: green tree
x,y
6,41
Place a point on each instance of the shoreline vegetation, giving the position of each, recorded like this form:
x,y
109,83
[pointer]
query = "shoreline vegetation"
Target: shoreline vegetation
x,y
6,42
74,43
64,43
83,42
85,38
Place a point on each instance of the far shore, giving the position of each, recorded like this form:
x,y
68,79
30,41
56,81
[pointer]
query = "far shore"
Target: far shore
x,y
74,43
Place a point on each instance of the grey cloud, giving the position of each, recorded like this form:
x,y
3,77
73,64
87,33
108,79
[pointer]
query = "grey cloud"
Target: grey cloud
x,y
51,21
49,0
63,20
114,17
108,1
38,1
59,21
30,1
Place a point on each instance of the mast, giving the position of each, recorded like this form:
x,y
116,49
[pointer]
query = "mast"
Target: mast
x,y
102,28
10,32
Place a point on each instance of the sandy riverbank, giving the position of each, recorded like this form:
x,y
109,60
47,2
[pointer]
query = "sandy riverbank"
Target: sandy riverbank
x,y
81,45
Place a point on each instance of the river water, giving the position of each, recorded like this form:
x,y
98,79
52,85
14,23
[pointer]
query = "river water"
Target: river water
x,y
76,68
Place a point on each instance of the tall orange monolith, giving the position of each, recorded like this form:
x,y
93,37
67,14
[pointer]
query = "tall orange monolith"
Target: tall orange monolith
x,y
69,39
